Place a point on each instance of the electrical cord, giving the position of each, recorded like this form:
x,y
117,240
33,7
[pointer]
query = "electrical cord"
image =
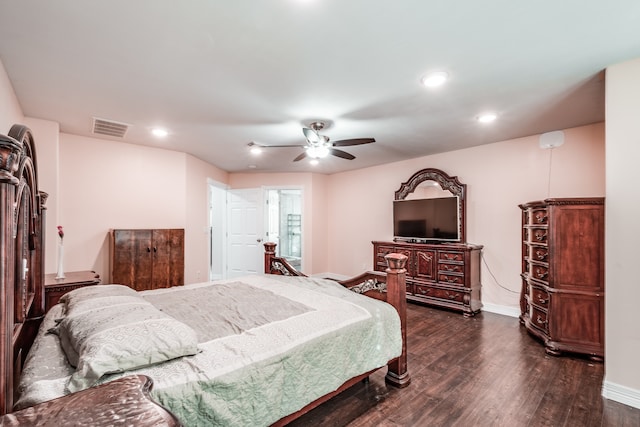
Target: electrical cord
x,y
494,277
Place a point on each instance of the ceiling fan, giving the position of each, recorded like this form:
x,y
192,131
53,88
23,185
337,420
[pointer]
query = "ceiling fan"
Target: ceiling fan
x,y
319,146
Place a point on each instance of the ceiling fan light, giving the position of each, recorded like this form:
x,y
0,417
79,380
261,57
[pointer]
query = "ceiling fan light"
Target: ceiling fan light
x,y
313,162
254,148
317,151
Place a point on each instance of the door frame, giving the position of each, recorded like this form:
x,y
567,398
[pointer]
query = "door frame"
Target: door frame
x,y
217,227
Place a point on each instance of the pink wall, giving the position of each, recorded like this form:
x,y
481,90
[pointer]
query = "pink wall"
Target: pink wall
x,y
110,184
46,134
499,176
10,111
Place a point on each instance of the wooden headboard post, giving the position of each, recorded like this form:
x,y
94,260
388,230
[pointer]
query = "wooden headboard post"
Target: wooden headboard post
x,y
21,252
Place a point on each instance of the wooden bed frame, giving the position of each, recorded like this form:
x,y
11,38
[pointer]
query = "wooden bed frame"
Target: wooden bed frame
x,y
22,215
22,219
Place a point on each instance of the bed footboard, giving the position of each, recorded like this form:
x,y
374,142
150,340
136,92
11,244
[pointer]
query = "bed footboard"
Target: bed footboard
x,y
389,286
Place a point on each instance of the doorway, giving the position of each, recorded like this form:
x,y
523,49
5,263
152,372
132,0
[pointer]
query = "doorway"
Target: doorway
x,y
238,223
284,223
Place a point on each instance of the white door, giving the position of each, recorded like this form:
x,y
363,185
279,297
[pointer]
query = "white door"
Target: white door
x,y
245,230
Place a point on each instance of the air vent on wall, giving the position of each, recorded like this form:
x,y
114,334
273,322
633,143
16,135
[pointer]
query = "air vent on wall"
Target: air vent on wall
x,y
109,127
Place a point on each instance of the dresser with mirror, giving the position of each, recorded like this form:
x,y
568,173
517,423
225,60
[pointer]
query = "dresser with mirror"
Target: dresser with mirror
x,y
443,270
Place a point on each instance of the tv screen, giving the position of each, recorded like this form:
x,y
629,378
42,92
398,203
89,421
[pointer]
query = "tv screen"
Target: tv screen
x,y
426,219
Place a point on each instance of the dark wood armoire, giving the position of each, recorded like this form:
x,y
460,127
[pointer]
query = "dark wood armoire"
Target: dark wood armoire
x,y
147,258
562,299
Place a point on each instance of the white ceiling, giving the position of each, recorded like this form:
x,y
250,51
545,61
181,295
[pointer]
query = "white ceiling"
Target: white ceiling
x,y
219,74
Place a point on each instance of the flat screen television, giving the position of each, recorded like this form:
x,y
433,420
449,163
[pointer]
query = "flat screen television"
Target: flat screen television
x,y
426,220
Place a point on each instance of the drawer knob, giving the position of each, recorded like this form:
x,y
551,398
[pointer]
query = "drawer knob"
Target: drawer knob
x,y
540,320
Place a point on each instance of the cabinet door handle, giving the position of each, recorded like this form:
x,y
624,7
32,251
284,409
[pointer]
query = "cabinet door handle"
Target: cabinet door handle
x,y
148,249
155,249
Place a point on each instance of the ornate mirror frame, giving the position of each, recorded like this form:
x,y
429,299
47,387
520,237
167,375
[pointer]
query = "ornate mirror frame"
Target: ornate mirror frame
x,y
446,182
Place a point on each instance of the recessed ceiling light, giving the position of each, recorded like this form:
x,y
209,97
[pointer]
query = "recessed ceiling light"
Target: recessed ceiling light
x,y
487,117
252,166
435,79
160,133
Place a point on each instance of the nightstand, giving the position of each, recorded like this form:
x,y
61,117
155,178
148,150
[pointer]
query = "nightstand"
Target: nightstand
x,y
55,288
122,402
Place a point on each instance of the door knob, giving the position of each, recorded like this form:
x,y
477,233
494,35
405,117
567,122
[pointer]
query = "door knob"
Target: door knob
x,y
258,240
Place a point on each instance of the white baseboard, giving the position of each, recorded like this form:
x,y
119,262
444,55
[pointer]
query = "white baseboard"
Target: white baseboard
x,y
505,310
620,393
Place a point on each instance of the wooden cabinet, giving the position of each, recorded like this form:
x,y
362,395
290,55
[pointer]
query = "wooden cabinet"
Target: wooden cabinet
x,y
55,288
562,298
442,275
147,259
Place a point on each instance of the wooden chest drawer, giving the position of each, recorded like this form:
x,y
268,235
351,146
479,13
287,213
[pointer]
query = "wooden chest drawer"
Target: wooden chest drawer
x,y
442,294
539,319
539,216
538,235
538,253
539,297
540,272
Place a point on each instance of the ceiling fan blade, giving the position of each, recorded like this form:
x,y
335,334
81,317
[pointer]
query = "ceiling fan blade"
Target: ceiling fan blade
x,y
355,141
340,153
300,157
311,135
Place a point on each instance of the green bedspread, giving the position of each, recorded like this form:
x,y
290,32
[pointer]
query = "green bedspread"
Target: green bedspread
x,y
300,339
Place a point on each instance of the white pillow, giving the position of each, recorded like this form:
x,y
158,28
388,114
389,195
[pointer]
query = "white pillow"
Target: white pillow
x,y
117,333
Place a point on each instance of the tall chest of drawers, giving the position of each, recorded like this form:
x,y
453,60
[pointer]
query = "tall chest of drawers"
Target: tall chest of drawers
x,y
562,297
442,275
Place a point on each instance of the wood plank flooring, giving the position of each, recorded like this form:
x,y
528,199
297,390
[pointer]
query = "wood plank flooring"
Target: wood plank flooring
x,y
480,371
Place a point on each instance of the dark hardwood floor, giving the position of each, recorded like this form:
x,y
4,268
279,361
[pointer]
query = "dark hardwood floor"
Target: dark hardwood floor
x,y
480,371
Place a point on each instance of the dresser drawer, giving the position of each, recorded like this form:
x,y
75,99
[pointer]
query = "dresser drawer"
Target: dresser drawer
x,y
450,256
451,268
539,297
381,252
539,272
538,235
442,294
451,279
539,216
539,319
538,253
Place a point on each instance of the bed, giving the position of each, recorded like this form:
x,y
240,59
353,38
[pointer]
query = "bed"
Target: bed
x,y
302,341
